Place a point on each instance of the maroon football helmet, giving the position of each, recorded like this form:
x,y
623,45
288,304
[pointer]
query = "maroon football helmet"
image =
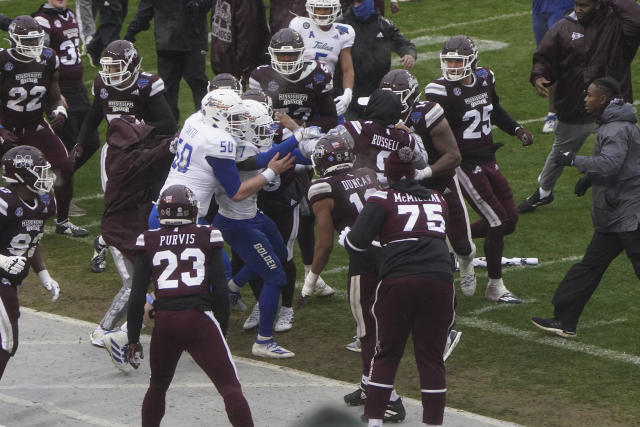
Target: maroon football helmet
x,y
120,64
287,42
225,81
458,48
177,205
27,165
332,155
405,85
27,36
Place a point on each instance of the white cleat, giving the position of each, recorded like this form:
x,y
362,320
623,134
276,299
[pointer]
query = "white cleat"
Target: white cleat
x,y
96,337
117,345
270,349
354,346
285,320
468,284
254,318
322,289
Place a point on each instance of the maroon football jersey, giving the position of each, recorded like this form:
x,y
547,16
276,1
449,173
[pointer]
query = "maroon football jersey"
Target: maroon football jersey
x,y
409,217
467,109
127,102
62,28
374,142
300,99
349,191
22,227
180,257
24,87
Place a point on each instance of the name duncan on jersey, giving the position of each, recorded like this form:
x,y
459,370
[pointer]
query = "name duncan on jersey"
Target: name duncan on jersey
x,y
31,77
408,198
293,98
32,224
348,184
120,106
477,99
177,239
388,143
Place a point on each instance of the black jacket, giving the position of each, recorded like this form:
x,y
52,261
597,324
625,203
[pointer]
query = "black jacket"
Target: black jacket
x,y
180,25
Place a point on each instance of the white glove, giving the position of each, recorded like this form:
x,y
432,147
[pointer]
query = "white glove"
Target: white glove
x,y
311,132
309,284
343,235
49,284
173,145
12,264
343,101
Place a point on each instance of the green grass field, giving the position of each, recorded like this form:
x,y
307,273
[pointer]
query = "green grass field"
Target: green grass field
x,y
503,367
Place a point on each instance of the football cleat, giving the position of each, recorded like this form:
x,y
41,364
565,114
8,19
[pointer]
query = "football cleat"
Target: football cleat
x,y
468,284
322,289
68,229
534,201
356,398
235,301
550,124
98,262
452,342
96,337
285,320
354,346
395,412
117,345
254,318
497,292
553,325
270,349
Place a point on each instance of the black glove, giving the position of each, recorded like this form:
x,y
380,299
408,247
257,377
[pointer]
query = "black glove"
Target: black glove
x,y
524,136
192,7
130,37
566,159
582,185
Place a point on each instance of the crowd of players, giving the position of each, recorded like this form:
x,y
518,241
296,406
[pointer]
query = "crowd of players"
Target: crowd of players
x,y
239,171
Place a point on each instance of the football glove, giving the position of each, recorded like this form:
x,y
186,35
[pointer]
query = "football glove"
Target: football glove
x,y
343,235
49,284
136,354
343,101
12,264
582,186
566,159
524,136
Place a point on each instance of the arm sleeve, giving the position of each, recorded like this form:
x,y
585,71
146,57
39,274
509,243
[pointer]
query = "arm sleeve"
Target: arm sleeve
x,y
137,298
365,229
219,290
261,160
226,173
142,19
501,118
159,115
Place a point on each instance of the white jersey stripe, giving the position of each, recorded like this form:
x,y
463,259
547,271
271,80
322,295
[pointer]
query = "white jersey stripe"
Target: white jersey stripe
x,y
5,328
485,208
3,207
157,87
436,89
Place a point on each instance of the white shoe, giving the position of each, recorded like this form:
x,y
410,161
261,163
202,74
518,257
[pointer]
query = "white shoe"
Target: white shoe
x,y
254,318
322,289
497,292
285,320
550,124
116,344
467,284
452,341
97,336
270,349
354,346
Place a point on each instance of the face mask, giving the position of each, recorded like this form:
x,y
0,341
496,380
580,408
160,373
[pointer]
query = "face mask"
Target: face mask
x,y
364,10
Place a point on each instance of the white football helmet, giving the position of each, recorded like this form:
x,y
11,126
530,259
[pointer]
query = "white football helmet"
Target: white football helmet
x,y
262,128
322,19
223,109
117,345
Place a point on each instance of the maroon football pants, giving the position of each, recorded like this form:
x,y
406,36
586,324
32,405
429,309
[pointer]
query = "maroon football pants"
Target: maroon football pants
x,y
9,314
199,334
423,307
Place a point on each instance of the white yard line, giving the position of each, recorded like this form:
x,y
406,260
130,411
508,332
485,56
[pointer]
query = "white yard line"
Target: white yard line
x,y
462,24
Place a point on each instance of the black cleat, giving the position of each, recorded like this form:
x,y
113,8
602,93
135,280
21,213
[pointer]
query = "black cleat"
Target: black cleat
x,y
357,398
553,325
534,201
394,413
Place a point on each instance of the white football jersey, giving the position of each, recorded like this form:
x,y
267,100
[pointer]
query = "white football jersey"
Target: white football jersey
x,y
324,46
190,167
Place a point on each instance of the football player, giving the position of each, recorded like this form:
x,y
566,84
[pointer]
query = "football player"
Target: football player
x,y
29,87
415,295
468,96
328,42
25,204
121,89
428,121
184,261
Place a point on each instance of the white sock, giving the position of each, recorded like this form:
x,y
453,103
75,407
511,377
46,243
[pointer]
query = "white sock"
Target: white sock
x,y
101,240
261,338
233,287
394,396
543,193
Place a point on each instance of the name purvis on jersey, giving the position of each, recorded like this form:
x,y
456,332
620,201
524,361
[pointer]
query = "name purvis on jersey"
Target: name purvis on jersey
x,y
324,46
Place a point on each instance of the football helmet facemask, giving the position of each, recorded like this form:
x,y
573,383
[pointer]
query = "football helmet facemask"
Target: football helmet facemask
x,y
223,109
120,64
27,36
262,128
27,165
404,84
461,48
332,155
322,19
225,81
287,42
177,205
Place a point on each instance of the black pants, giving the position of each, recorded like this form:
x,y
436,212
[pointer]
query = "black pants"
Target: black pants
x,y
112,15
584,277
76,95
175,65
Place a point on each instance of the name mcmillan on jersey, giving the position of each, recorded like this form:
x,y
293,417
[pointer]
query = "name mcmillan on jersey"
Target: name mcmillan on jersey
x,y
408,198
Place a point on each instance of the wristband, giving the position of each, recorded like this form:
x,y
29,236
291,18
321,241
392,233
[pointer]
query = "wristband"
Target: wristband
x,y
44,276
423,173
150,299
60,110
269,174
